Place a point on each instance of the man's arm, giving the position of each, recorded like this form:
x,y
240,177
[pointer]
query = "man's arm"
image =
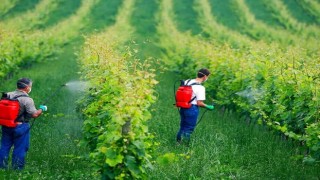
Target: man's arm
x,y
37,113
201,104
31,109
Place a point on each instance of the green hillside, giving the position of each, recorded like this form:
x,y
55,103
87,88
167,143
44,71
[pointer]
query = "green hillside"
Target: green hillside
x,y
119,60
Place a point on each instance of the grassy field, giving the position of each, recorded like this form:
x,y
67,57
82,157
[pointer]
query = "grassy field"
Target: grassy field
x,y
66,10
19,8
223,146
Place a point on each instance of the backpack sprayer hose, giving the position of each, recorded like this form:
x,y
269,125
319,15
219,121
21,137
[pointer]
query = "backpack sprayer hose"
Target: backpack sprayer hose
x,y
174,93
203,115
53,94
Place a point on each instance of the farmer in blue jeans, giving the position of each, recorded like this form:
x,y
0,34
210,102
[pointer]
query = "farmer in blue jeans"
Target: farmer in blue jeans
x,y
19,136
189,116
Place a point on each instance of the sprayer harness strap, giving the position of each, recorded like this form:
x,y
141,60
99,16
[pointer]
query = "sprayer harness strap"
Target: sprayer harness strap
x,y
23,113
191,85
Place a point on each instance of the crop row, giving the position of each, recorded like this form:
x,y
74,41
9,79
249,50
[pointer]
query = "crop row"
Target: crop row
x,y
21,50
116,107
70,27
24,47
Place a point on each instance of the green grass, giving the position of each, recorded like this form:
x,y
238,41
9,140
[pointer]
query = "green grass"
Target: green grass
x,y
186,17
67,8
20,7
262,13
143,17
224,13
144,21
102,15
299,13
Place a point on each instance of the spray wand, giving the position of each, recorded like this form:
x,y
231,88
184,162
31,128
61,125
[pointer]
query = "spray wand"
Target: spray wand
x,y
53,94
204,114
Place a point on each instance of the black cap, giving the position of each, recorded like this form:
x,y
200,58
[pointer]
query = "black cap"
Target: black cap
x,y
203,72
23,83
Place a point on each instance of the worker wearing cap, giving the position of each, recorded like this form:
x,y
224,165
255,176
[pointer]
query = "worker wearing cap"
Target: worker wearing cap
x,y
19,136
189,116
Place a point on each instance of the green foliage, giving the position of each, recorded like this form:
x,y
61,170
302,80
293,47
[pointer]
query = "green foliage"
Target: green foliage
x,y
312,138
21,50
116,110
166,159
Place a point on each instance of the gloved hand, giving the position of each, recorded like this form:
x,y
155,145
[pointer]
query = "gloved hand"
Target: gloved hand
x,y
43,107
210,107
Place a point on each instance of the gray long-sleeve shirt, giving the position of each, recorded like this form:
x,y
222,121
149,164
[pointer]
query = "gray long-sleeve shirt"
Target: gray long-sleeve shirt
x,y
26,105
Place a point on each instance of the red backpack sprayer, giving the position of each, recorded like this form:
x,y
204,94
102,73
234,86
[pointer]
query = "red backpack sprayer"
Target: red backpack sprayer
x,y
9,110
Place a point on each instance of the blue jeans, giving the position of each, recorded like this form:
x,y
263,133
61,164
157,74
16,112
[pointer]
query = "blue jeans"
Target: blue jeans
x,y
188,122
17,137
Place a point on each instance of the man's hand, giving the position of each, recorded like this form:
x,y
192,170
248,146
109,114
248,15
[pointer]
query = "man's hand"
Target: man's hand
x,y
210,107
43,107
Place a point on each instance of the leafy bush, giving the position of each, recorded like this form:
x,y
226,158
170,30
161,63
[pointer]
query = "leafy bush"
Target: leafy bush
x,y
116,110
